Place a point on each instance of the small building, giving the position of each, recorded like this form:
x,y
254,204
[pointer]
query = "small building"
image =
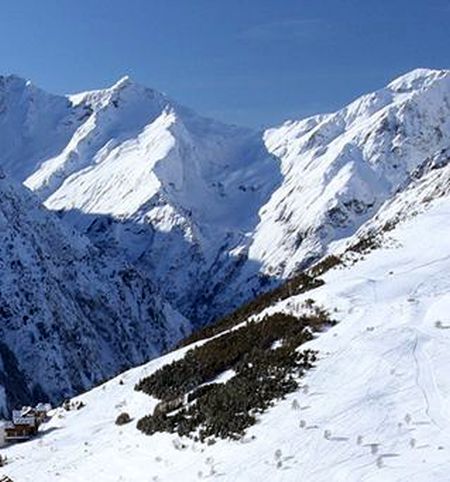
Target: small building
x,y
20,430
41,412
24,424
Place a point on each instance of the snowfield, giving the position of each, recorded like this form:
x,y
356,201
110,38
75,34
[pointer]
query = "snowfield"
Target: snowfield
x,y
376,406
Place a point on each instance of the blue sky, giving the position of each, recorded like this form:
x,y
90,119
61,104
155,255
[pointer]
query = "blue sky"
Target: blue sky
x,y
252,62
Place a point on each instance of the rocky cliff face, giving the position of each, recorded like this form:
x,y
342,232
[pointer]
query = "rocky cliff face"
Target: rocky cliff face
x,y
70,315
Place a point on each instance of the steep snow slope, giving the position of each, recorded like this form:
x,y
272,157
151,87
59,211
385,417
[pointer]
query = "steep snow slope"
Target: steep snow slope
x,y
34,125
380,390
215,213
339,169
70,316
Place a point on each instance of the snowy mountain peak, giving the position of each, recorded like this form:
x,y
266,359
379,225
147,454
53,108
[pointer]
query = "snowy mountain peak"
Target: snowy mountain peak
x,y
14,88
124,90
124,81
128,85
217,212
8,81
417,79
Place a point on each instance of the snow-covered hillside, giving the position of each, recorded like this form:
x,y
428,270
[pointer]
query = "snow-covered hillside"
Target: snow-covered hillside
x,y
70,315
214,213
375,407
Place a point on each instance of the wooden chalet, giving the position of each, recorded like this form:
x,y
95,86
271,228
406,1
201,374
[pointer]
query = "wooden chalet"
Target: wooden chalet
x,y
24,424
21,430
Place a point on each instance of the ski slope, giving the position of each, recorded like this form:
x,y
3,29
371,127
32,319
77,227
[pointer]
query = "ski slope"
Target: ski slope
x,y
375,408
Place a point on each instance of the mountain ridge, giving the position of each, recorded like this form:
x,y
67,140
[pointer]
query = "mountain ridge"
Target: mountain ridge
x,y
215,214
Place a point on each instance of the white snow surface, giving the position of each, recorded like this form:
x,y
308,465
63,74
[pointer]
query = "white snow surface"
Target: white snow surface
x,y
216,213
376,406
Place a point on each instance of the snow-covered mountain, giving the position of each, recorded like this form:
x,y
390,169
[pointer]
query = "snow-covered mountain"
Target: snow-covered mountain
x,y
338,169
213,213
209,214
374,407
141,174
70,315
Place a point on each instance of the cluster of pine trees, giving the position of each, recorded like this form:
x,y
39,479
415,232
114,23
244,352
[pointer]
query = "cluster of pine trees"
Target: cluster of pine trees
x,y
267,365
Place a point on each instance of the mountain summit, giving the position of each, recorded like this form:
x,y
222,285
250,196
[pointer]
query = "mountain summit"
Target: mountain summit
x,y
215,213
